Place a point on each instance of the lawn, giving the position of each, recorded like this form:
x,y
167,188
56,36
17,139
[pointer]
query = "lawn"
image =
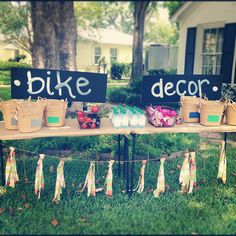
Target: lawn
x,y
211,209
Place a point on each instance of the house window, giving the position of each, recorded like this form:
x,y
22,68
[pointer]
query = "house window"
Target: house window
x,y
212,51
97,55
113,55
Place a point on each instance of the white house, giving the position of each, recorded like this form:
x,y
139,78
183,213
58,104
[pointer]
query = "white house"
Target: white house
x,y
207,43
93,44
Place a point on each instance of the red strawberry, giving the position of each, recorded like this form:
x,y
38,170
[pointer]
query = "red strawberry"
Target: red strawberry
x,y
94,109
81,119
80,113
88,120
93,125
84,126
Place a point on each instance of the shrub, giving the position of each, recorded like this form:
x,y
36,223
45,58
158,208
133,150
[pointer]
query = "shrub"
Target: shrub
x,y
6,65
163,72
120,70
118,95
229,91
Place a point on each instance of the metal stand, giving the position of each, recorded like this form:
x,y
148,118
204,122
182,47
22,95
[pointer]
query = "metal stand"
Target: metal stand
x,y
118,155
225,139
126,164
2,164
132,164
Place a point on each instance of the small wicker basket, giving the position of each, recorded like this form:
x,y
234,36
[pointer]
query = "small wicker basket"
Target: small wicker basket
x,y
190,109
9,112
231,113
30,116
55,112
211,112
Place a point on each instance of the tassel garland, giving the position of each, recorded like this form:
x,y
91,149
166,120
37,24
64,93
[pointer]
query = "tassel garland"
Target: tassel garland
x,y
140,185
60,182
193,176
222,164
90,180
39,178
11,171
161,180
185,174
109,178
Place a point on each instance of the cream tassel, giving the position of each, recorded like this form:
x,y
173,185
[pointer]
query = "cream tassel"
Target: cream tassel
x,y
11,170
39,178
109,178
222,164
90,180
193,169
184,174
161,180
140,185
60,182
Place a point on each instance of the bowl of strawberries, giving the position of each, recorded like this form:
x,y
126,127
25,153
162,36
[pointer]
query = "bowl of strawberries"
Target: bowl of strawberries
x,y
89,118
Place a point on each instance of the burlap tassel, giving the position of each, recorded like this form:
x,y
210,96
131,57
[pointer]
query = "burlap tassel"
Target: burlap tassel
x,y
39,178
140,185
90,180
184,174
222,164
109,178
60,182
161,180
11,171
193,169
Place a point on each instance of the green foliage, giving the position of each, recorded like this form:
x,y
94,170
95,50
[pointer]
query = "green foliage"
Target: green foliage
x,y
104,15
163,72
173,6
14,24
229,91
7,65
120,70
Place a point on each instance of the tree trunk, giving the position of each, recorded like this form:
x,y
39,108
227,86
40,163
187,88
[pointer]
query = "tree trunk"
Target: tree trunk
x,y
54,33
140,8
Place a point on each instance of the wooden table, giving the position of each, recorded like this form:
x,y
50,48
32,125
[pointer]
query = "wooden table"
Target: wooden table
x,y
71,129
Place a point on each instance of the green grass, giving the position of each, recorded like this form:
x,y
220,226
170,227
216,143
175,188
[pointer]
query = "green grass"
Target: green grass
x,y
211,209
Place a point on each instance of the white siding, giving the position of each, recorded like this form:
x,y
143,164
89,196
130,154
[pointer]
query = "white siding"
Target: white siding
x,y
202,15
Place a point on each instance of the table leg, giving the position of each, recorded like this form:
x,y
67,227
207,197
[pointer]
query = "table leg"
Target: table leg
x,y
124,156
2,164
225,139
127,165
119,155
132,164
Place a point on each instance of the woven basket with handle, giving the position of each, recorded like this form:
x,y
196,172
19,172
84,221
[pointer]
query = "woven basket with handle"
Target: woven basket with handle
x,y
211,112
30,115
55,112
231,113
9,112
190,109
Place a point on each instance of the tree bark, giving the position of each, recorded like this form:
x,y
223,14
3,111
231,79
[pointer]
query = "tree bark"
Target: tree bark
x,y
54,34
140,8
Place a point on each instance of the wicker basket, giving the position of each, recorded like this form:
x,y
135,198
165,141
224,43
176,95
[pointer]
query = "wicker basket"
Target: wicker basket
x,y
231,113
211,112
55,112
30,116
190,109
9,112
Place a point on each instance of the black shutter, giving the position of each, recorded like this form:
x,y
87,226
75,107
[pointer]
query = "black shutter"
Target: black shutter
x,y
190,51
228,51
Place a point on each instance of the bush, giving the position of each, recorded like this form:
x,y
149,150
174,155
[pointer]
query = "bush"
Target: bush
x,y
229,91
6,65
120,70
163,72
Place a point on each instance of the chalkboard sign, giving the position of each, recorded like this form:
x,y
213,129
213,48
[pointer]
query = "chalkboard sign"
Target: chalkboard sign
x,y
56,84
158,89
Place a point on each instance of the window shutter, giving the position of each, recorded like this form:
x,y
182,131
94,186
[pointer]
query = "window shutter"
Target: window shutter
x,y
190,51
228,51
